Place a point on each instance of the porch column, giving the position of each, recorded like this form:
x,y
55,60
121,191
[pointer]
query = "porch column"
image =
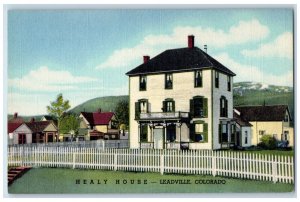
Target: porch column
x,y
165,135
152,134
139,129
179,126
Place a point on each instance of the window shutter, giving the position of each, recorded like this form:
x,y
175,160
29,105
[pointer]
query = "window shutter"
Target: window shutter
x,y
226,108
205,107
205,132
220,133
192,132
137,110
173,106
148,105
192,108
221,107
164,106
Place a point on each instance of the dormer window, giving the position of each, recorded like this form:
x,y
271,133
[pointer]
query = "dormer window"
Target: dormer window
x,y
143,83
168,81
286,118
198,78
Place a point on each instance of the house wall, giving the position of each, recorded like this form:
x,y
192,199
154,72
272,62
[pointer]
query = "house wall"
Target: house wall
x,y
243,131
102,128
183,90
23,129
217,93
290,136
271,128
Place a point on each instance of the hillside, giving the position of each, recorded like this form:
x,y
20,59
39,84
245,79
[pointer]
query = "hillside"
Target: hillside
x,y
105,103
245,93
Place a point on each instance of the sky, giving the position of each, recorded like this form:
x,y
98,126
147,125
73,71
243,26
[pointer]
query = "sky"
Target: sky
x,y
85,54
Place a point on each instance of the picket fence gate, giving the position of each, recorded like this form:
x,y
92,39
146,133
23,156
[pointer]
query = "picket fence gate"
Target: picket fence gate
x,y
241,165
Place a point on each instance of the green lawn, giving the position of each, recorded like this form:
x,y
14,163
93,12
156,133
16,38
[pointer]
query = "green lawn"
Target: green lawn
x,y
59,180
274,152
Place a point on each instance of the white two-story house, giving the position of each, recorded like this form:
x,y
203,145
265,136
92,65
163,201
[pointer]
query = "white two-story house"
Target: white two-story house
x,y
181,98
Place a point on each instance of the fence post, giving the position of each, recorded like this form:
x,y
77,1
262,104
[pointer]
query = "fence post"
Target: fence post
x,y
274,169
115,161
22,155
103,144
162,159
213,163
74,160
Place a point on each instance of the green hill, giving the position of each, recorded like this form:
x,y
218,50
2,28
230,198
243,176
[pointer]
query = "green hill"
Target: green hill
x,y
105,103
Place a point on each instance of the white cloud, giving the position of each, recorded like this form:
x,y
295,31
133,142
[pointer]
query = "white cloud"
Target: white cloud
x,y
243,32
282,47
246,72
45,79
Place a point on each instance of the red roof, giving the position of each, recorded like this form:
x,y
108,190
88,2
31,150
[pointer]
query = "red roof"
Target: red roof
x,y
98,118
12,127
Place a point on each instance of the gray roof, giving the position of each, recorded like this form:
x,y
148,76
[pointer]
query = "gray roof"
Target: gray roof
x,y
181,59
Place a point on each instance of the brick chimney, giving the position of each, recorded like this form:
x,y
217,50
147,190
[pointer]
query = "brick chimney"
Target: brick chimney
x,y
191,41
32,120
146,58
99,110
15,114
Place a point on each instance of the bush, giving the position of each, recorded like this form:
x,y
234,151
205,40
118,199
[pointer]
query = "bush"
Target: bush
x,y
268,142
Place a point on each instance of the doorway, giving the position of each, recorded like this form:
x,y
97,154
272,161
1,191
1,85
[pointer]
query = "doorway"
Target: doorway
x,y
158,138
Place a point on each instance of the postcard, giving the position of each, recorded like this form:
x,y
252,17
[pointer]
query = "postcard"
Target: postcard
x,y
145,101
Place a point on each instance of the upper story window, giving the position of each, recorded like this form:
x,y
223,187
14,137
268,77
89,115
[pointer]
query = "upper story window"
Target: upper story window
x,y
168,105
223,107
262,132
168,81
198,78
198,107
228,83
216,79
143,83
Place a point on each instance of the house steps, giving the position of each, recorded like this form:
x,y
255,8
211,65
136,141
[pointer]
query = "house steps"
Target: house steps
x,y
15,173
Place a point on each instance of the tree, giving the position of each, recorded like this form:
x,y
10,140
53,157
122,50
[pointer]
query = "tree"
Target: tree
x,y
58,107
122,112
68,123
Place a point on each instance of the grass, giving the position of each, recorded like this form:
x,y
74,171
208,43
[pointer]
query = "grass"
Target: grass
x,y
274,152
59,180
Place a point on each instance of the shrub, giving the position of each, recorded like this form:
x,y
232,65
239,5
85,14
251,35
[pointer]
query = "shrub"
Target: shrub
x,y
267,142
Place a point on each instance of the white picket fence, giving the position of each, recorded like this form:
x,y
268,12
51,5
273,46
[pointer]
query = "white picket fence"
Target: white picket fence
x,y
199,162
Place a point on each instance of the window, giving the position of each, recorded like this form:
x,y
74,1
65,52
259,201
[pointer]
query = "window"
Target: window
x,y
233,130
286,118
262,132
143,83
168,81
246,137
22,139
198,107
144,133
141,107
228,83
199,132
286,135
223,107
223,132
216,79
171,133
169,105
198,78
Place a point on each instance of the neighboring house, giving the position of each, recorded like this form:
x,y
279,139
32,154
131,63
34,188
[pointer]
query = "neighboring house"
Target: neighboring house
x,y
43,131
272,120
16,119
11,127
22,135
98,125
243,131
47,118
181,98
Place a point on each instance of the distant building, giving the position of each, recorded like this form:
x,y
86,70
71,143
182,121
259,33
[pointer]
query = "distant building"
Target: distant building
x,y
243,131
98,125
274,120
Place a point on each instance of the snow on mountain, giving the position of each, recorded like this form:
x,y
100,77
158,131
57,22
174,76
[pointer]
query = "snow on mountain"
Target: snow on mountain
x,y
242,87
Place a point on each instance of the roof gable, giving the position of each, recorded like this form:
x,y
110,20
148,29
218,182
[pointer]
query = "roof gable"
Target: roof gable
x,y
181,59
263,113
98,118
11,127
38,126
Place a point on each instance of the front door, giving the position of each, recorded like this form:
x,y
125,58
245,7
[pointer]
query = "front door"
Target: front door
x,y
22,139
50,137
158,138
238,138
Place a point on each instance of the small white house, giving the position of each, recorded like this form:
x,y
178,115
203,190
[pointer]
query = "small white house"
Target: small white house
x,y
19,133
243,131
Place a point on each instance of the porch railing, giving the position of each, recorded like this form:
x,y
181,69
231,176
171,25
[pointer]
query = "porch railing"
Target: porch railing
x,y
147,145
164,115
